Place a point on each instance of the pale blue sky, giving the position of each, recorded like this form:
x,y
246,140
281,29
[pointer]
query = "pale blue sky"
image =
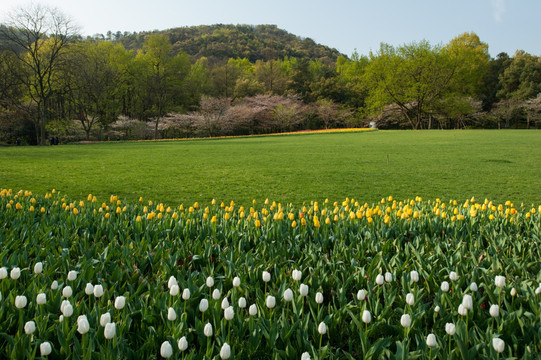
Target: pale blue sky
x,y
505,25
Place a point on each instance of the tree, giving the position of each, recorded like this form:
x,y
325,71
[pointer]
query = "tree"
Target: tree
x,y
38,36
522,78
212,114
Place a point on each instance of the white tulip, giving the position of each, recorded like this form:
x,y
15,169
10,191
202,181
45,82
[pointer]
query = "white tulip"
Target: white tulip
x,y
82,324
66,308
462,310
120,302
361,294
203,305
171,314
445,286
225,351
15,273
110,330
410,299
473,286
207,330
72,275
38,267
467,301
414,275
3,272
305,356
513,292
45,348
319,298
431,340
242,303
98,291
67,292
182,343
20,301
388,277
498,345
89,289
296,275
270,302
288,295
61,318
236,281
499,281
450,329
166,350
266,276
210,281
216,294
538,290
54,285
405,320
225,303
437,309
494,310
172,281
105,319
229,313
322,328
379,279
366,317
41,299
303,290
174,290
29,327
252,310
453,276
186,294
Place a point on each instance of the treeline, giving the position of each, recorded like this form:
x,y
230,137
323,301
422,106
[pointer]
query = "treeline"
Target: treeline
x,y
162,84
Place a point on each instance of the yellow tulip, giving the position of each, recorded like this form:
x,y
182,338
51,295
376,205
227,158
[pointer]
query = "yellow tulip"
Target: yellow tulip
x,y
75,211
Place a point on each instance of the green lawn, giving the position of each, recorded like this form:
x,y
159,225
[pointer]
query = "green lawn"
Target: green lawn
x,y
499,165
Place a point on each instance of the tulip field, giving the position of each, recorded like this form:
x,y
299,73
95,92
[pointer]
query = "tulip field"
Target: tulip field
x,y
105,278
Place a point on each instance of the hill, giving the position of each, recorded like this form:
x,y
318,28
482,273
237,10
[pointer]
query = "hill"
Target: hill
x,y
219,42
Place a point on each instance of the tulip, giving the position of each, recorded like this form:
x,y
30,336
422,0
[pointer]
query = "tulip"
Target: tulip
x,y
229,313
225,351
54,285
494,310
288,295
410,299
414,275
210,281
305,356
266,276
3,273
242,302
186,294
322,328
498,345
270,302
216,294
98,291
72,275
120,302
296,275
236,281
445,286
166,350
89,289
110,330
379,279
38,267
171,314
450,329
225,303
183,343
538,290
172,281
82,324
105,319
15,273
453,276
319,298
203,305
361,295
207,330
20,301
462,310
388,277
437,309
45,348
252,310
405,320
61,318
431,340
41,299
174,290
66,308
467,301
473,286
366,317
67,292
513,292
303,290
29,327
499,281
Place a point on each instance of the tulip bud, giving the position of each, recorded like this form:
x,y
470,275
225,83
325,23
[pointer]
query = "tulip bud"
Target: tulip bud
x,y
252,310
98,291
494,310
361,295
414,275
3,272
236,281
242,302
29,327
388,277
166,350
405,320
120,302
225,351
89,289
67,292
288,295
366,317
462,310
431,340
379,279
105,319
322,328
297,275
437,309
225,303
266,276
303,290
410,299
445,286
210,281
538,290
38,268
41,299
82,324
172,281
183,343
61,318
467,301
450,329
66,308
15,273
271,302
203,305
453,276
72,275
305,356
229,313
45,348
110,330
207,330
216,294
498,345
54,285
500,281
20,301
186,294
174,290
513,292
319,298
171,314
473,286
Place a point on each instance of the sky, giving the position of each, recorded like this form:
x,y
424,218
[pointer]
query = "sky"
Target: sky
x,y
346,25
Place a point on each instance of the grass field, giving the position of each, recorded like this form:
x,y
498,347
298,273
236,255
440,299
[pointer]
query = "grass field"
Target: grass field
x,y
499,165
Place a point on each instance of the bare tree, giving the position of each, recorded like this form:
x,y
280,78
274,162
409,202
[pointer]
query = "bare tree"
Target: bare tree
x,y
38,36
